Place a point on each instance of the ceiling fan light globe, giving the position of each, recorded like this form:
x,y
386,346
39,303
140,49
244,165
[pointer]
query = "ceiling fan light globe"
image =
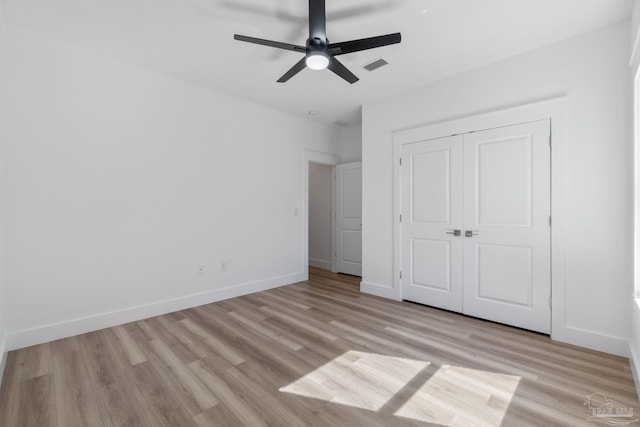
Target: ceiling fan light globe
x,y
317,61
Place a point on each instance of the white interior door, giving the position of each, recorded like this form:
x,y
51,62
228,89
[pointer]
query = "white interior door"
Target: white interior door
x,y
349,218
494,187
431,213
507,258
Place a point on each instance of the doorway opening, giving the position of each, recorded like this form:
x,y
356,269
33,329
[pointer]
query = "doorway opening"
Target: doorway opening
x,y
329,187
321,212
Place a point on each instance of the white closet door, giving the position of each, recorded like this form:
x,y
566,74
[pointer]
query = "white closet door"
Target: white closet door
x,y
494,187
349,218
507,263
431,197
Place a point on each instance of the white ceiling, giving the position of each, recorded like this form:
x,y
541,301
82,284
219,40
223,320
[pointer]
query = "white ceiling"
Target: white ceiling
x,y
193,41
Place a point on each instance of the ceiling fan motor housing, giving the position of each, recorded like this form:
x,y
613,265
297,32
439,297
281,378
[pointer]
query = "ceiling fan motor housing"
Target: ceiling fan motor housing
x,y
317,57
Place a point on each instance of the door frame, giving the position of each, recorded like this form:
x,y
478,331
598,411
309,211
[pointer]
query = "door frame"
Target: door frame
x,y
552,109
313,156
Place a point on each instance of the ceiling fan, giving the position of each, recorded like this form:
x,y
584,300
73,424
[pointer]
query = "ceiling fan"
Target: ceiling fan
x,y
319,53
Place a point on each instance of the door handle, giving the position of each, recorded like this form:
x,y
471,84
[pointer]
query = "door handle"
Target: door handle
x,y
470,233
456,233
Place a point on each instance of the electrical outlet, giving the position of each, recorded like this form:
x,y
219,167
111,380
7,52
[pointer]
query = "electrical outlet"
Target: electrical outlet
x,y
223,266
200,270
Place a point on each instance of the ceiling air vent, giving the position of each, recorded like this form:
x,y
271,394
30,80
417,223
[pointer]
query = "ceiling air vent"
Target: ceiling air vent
x,y
375,64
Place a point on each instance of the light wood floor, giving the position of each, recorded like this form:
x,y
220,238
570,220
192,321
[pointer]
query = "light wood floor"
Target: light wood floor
x,y
313,353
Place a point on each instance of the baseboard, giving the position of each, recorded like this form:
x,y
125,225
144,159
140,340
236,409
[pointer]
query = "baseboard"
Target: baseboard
x,y
68,328
320,263
592,340
377,290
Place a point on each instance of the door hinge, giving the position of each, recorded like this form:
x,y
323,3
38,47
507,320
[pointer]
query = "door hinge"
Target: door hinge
x,y
401,274
400,161
400,217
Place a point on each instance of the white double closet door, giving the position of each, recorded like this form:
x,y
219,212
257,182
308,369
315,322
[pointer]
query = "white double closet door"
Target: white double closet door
x,y
475,229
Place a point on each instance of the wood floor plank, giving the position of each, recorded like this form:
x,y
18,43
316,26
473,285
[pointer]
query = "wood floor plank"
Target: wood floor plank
x,y
30,362
307,324
10,403
128,346
40,406
30,403
218,416
214,344
261,329
273,408
231,397
185,340
160,404
75,398
193,393
118,401
315,353
255,347
157,331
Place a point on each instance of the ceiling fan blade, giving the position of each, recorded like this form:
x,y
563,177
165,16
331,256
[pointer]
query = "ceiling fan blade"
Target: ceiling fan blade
x,y
270,43
317,20
350,46
300,65
342,71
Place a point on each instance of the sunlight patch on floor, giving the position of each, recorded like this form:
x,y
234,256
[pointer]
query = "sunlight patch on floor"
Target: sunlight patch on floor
x,y
456,396
358,379
452,396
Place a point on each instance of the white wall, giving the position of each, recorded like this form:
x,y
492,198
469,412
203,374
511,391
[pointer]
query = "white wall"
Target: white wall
x,y
3,157
122,181
592,70
320,215
634,342
350,144
635,34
